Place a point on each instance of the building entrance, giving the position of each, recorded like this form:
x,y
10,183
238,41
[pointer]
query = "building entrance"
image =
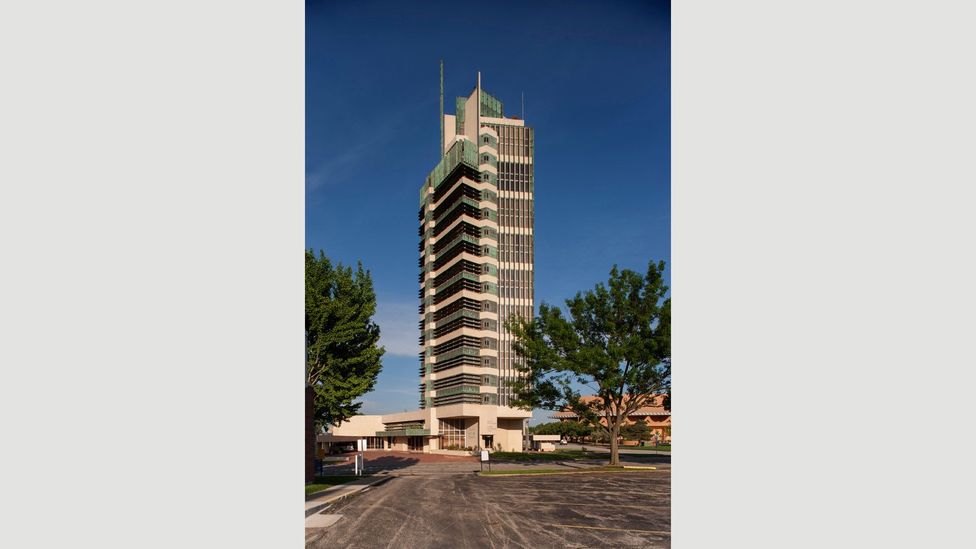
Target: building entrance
x,y
415,444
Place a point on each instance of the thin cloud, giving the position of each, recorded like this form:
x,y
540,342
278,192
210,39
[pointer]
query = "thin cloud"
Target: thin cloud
x,y
335,167
326,173
398,327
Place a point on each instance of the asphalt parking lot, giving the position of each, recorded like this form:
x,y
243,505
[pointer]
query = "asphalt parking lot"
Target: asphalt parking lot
x,y
630,509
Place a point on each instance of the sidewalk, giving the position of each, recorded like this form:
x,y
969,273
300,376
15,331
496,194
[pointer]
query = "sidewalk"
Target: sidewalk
x,y
319,500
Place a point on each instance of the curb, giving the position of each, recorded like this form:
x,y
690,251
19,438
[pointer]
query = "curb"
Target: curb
x,y
325,502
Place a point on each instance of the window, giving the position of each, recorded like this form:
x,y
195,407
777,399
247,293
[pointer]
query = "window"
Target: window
x,y
487,269
452,433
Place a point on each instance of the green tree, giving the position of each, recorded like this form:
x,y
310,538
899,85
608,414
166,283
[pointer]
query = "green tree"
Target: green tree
x,y
565,429
636,431
616,341
550,428
575,430
342,358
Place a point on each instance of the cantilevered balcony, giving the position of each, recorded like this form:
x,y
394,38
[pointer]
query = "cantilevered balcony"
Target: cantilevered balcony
x,y
473,248
462,192
448,183
466,207
460,285
464,303
463,266
461,230
456,343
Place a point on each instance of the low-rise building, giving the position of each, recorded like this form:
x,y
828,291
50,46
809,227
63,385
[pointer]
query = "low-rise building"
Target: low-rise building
x,y
654,415
544,443
443,428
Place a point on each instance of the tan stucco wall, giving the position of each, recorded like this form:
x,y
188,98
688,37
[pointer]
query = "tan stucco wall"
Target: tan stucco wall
x,y
509,435
471,437
450,131
414,415
359,426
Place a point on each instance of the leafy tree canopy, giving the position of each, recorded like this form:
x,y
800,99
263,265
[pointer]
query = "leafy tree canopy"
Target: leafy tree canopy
x,y
636,431
342,358
568,429
616,341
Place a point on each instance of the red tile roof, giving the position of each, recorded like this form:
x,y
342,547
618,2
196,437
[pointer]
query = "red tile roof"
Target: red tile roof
x,y
656,408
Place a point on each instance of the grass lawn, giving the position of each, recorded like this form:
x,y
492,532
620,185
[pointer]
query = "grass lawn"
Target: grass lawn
x,y
658,448
606,469
321,483
558,455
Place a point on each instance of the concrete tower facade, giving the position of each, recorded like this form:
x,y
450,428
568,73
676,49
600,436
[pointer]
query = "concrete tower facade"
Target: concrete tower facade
x,y
476,268
476,253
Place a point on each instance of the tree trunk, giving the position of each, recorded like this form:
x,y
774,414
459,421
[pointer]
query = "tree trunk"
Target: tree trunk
x,y
614,445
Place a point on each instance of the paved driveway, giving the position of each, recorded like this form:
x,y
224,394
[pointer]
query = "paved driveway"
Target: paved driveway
x,y
467,511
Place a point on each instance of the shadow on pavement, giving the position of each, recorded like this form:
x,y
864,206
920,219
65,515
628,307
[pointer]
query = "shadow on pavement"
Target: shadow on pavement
x,y
373,465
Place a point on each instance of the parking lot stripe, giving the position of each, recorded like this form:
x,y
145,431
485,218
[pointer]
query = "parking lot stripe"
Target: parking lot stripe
x,y
658,532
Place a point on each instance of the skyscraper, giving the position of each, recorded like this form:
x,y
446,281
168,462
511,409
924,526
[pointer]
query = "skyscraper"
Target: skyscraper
x,y
477,253
476,268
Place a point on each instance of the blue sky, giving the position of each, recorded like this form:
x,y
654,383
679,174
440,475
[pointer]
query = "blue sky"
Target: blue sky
x,y
596,79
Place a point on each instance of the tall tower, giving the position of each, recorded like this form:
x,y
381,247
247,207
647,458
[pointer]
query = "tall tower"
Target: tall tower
x,y
476,253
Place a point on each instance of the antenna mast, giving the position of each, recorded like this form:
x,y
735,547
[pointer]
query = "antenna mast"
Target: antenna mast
x,y
523,105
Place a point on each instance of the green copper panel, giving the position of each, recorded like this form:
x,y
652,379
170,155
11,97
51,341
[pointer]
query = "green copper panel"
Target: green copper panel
x,y
459,113
462,151
456,390
490,106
